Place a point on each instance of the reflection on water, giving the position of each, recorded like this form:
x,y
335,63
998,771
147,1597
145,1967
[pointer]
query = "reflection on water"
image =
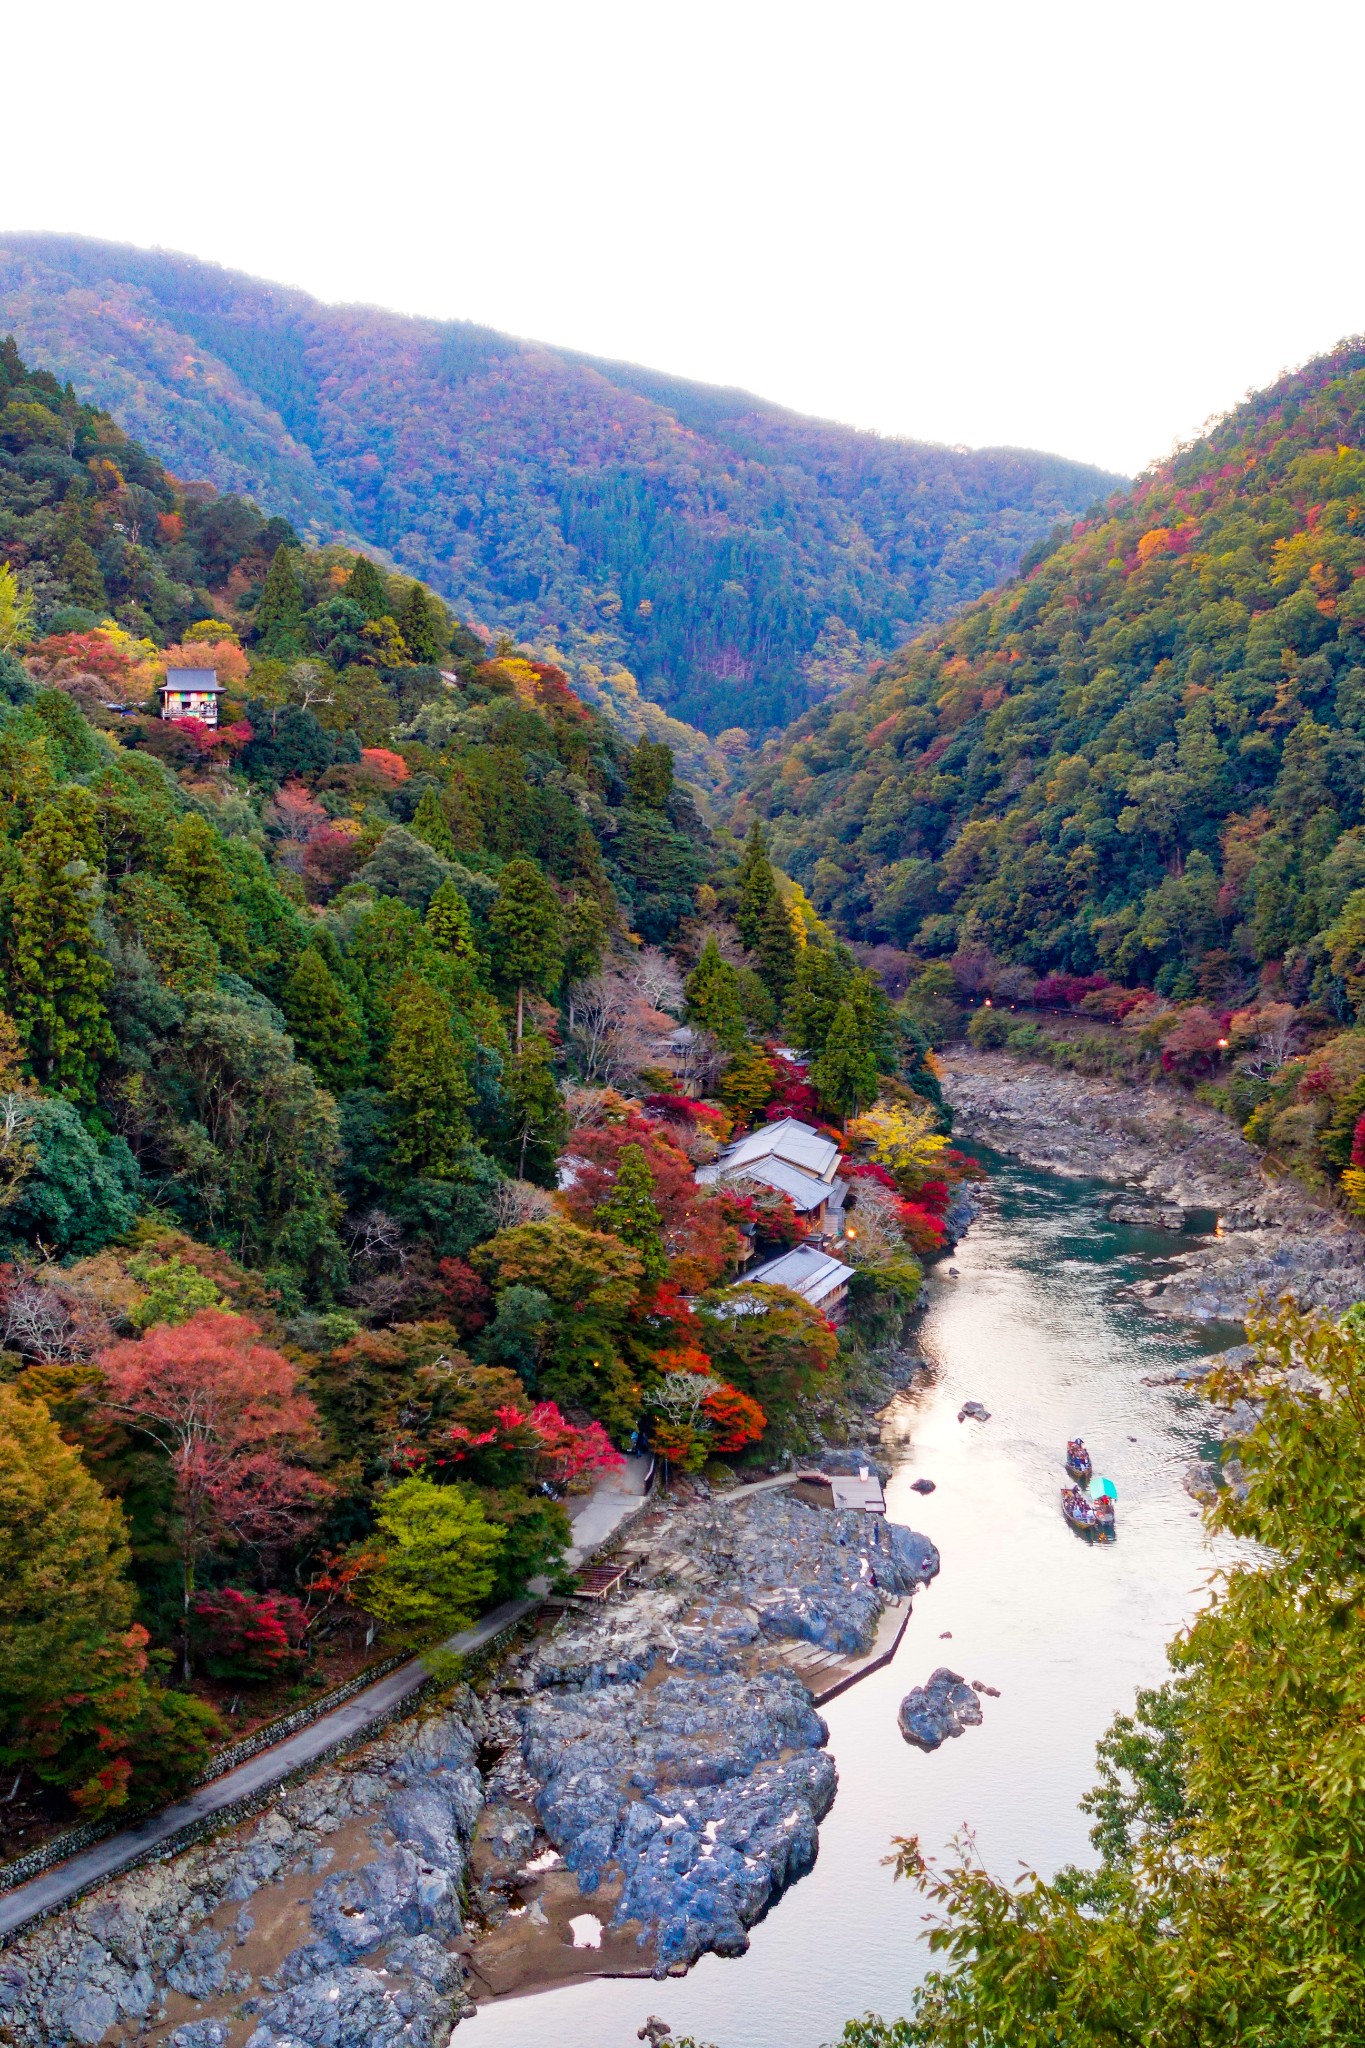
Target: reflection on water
x,y
1036,1329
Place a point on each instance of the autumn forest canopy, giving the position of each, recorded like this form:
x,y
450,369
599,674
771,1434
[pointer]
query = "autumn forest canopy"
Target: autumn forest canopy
x,y
735,560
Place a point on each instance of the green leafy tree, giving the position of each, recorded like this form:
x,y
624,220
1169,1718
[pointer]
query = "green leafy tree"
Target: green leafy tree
x,y
428,1085
16,611
366,589
421,623
250,1138
527,925
80,572
714,998
437,1558
591,1280
747,1083
71,1660
325,1022
538,1120
769,1343
845,1074
537,1532
585,936
279,615
73,1196
631,1213
58,976
777,951
757,887
819,986
451,926
651,772
430,824
172,1291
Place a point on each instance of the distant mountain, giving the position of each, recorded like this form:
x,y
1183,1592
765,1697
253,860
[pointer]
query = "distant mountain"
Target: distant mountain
x,y
1146,754
739,559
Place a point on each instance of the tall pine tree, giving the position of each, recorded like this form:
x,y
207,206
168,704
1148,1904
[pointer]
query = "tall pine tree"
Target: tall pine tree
x,y
418,624
430,825
451,926
57,972
428,1085
537,1116
528,932
325,1023
714,1000
845,1074
631,1213
757,887
777,950
280,611
365,588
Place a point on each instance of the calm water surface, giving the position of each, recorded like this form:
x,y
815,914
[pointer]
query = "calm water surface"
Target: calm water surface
x,y
1034,1327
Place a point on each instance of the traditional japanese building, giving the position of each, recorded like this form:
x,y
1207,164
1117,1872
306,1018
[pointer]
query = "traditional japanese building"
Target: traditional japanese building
x,y
191,693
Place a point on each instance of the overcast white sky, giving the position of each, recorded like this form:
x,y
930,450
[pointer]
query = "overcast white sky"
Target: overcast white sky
x,y
1077,227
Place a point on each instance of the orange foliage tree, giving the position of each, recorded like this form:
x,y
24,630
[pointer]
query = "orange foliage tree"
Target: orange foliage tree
x,y
699,1237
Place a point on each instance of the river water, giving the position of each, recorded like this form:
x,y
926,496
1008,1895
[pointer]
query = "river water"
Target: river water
x,y
1035,1327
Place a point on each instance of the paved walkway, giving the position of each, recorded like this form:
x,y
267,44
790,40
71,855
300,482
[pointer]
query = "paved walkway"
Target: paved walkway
x,y
595,1517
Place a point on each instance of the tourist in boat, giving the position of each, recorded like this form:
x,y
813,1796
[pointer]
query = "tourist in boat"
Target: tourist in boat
x,y
1077,1459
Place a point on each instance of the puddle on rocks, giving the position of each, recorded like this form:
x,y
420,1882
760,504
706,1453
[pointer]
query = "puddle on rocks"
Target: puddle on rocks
x,y
1037,1328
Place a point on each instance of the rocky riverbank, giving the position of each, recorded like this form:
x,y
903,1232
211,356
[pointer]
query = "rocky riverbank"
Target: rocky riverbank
x,y
636,1786
1272,1236
667,1748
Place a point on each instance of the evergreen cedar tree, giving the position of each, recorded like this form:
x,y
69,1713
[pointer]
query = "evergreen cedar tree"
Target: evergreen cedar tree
x,y
284,1011
708,553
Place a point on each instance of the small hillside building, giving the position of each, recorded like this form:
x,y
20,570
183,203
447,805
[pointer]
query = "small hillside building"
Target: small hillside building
x,y
807,1271
791,1159
191,693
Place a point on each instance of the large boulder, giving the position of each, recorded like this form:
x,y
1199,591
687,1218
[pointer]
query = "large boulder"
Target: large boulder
x,y
944,1706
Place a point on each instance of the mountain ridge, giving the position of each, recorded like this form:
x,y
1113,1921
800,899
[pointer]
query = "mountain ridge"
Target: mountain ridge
x,y
1144,754
739,559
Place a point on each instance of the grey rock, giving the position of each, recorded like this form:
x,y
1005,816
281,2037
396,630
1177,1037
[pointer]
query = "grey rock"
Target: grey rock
x,y
975,1410
1147,1215
508,1834
422,1957
85,2014
352,2008
201,2034
398,1893
200,1971
922,1486
943,1706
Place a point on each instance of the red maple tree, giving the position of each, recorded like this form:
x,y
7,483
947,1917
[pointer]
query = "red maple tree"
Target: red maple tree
x,y
226,1412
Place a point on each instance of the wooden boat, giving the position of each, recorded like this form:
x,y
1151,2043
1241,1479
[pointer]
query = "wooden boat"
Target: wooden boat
x,y
1078,1461
1078,1511
1103,1511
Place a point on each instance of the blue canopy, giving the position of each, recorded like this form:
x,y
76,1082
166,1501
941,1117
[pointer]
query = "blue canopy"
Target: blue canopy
x,y
1103,1489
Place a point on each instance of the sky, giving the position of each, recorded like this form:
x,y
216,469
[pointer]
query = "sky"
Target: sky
x,y
1087,228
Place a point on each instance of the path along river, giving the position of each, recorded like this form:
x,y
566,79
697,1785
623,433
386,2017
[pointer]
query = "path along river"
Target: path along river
x,y
1035,1328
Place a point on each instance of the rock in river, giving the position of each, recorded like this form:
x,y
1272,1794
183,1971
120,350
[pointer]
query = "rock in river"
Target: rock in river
x,y
930,1713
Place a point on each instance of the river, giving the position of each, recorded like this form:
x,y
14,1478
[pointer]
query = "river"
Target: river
x,y
1035,1327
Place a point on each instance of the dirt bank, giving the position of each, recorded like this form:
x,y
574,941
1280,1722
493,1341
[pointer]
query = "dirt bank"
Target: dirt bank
x,y
1272,1235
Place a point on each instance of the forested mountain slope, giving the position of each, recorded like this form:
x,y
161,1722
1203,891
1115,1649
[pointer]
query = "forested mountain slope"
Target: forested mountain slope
x,y
348,1127
1145,754
739,559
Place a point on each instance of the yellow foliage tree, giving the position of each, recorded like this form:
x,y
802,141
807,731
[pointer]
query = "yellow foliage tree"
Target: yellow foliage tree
x,y
901,1137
